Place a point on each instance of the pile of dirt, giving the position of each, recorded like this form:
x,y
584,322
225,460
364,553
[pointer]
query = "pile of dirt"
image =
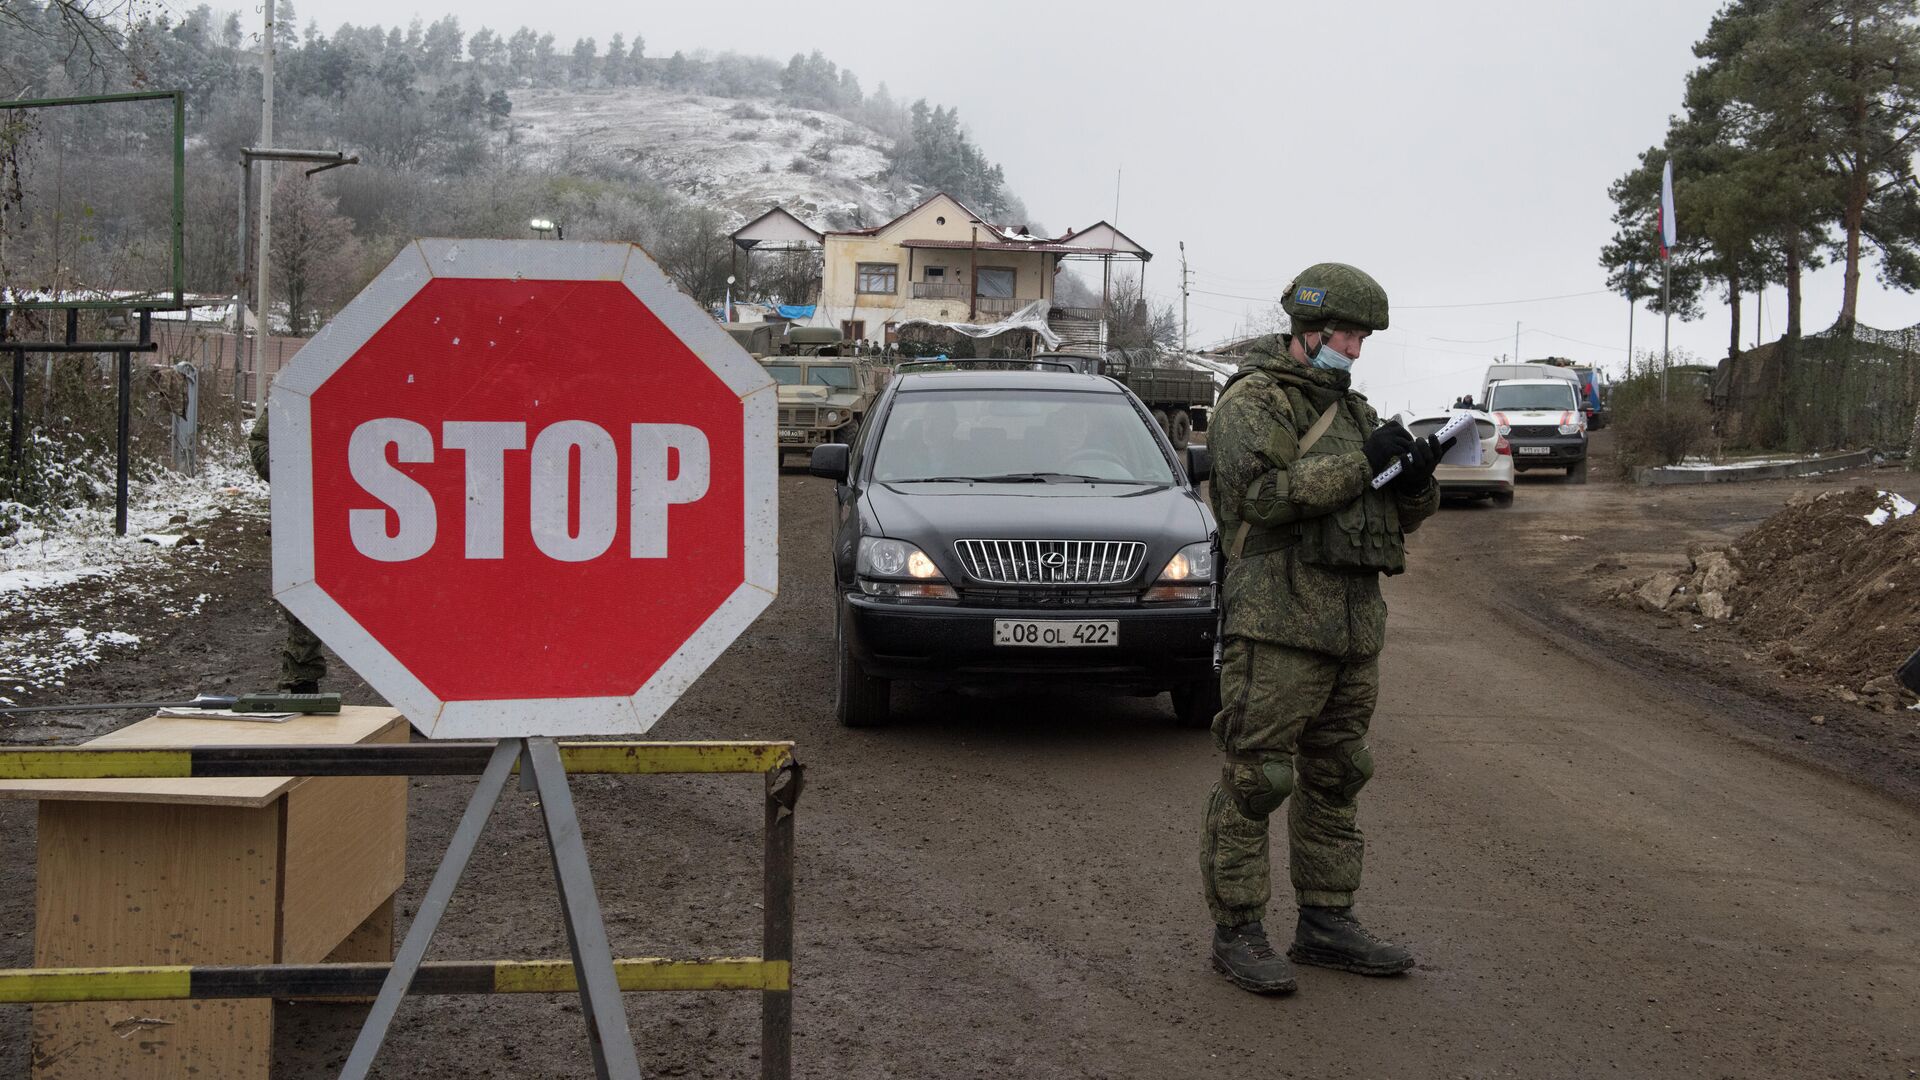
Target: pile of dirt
x,y
1827,588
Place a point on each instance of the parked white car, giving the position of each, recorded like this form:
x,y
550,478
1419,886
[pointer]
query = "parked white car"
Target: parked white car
x,y
1491,479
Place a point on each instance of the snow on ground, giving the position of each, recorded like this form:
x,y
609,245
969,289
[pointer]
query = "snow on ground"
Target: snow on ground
x,y
1891,506
744,155
45,636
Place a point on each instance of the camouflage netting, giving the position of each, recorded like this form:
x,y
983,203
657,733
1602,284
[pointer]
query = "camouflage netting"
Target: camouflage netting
x,y
1840,389
1819,589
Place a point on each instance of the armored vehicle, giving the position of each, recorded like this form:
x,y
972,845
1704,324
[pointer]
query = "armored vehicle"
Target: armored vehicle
x,y
823,395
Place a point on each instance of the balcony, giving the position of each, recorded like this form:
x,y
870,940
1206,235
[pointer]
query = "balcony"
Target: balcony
x,y
959,293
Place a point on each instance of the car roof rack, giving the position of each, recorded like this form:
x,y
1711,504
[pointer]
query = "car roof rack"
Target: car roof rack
x,y
1005,363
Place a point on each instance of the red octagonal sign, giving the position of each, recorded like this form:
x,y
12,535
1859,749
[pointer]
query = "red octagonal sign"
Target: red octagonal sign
x,y
524,487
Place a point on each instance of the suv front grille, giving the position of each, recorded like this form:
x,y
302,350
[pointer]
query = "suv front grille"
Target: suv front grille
x,y
1053,596
1534,431
1051,562
803,417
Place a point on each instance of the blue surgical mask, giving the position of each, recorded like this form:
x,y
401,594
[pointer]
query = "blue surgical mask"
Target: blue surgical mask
x,y
1329,360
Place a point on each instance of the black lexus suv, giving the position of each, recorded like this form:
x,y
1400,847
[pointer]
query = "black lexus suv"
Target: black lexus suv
x,y
1009,525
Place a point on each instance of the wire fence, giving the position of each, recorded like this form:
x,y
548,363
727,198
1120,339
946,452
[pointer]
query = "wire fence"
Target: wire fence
x,y
1845,388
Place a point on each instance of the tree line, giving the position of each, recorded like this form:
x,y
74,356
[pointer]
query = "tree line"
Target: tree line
x,y
1794,148
428,109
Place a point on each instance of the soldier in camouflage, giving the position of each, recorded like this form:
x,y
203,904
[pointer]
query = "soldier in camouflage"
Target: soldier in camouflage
x,y
1306,537
302,664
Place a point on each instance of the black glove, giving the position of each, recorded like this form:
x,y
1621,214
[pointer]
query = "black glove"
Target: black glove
x,y
1418,468
1388,441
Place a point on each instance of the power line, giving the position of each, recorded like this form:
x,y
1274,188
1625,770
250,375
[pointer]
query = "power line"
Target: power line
x,y
1502,303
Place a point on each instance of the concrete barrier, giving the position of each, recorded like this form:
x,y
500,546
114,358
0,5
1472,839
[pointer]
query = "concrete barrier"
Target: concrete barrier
x,y
1726,474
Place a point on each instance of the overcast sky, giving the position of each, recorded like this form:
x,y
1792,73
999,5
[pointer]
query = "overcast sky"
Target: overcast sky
x,y
1459,152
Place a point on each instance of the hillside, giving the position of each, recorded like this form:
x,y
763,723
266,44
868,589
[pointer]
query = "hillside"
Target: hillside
x,y
738,156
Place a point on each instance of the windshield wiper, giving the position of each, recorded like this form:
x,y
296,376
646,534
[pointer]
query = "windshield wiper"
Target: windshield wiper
x,y
1019,478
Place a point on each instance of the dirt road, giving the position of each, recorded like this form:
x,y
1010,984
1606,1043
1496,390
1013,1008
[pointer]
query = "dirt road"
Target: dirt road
x,y
1607,866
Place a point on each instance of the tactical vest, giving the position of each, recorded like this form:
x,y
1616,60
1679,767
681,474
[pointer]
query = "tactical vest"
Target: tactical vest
x,y
1363,535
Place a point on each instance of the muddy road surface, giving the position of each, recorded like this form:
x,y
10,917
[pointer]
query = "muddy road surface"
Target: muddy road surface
x,y
1611,854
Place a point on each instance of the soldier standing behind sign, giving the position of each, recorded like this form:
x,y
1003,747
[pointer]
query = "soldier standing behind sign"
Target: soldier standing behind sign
x,y
302,664
1307,538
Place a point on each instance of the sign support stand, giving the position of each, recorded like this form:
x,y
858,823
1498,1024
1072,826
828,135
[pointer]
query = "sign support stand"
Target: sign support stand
x,y
601,1003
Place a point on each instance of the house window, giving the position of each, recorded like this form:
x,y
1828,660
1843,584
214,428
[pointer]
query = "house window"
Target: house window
x,y
878,278
936,273
994,281
853,329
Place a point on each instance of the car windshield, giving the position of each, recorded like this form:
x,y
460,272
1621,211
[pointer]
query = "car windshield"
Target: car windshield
x,y
1018,436
784,374
840,378
1514,396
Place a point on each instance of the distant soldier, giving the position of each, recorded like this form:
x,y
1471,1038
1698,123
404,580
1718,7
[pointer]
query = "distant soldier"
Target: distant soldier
x,y
302,664
1306,538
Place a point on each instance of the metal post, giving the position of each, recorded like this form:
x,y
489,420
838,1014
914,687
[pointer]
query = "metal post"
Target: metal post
x,y
1630,306
600,1001
16,434
265,328
120,441
776,921
434,905
240,286
1666,323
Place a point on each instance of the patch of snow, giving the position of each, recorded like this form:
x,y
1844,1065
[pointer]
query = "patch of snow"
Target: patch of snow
x,y
46,637
1891,506
1703,465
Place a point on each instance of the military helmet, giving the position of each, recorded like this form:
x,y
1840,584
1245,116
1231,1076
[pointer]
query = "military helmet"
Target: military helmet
x,y
1337,292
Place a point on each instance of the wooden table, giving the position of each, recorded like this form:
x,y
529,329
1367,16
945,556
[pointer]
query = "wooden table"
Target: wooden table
x,y
252,870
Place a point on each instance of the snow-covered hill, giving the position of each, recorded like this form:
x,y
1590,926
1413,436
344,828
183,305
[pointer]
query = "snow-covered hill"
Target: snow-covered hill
x,y
737,155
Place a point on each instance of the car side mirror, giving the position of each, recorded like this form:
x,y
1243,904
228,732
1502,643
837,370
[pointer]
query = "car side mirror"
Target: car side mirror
x,y
829,460
1199,463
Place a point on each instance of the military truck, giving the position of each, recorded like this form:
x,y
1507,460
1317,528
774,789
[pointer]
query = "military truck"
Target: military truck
x,y
1180,397
823,395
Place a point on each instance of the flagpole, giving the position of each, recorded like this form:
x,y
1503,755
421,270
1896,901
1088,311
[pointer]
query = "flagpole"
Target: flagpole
x,y
1666,323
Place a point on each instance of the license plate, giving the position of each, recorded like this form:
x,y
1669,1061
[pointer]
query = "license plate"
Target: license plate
x,y
792,433
1055,633
1535,449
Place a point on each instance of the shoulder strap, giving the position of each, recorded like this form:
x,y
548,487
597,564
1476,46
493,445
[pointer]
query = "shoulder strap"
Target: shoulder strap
x,y
1312,436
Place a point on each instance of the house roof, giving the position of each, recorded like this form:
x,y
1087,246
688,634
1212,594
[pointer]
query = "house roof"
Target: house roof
x,y
1099,238
776,226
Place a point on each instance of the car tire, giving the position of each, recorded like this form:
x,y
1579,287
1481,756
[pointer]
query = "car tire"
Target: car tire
x,y
1195,703
1503,498
1160,418
1578,474
860,700
1180,429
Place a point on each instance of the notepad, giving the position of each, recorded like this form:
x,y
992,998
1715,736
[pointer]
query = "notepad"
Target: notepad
x,y
1464,451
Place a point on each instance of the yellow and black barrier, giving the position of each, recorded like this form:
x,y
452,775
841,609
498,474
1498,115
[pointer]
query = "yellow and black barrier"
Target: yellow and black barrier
x,y
769,973
172,982
379,759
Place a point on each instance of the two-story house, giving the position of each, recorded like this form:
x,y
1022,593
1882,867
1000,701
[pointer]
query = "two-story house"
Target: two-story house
x,y
942,263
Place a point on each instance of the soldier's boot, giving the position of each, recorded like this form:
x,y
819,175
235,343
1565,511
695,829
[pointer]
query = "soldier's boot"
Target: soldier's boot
x,y
1243,954
301,686
1331,937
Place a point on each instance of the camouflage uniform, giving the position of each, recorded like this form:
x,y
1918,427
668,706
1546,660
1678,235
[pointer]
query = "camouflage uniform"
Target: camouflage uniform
x,y
301,660
1305,623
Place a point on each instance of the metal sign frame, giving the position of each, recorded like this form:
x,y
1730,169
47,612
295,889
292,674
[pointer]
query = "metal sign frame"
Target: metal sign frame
x,y
593,973
147,301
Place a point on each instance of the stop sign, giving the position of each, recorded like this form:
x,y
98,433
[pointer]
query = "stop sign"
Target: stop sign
x,y
524,488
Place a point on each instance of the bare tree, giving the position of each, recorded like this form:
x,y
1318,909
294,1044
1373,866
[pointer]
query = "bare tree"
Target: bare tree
x,y
315,254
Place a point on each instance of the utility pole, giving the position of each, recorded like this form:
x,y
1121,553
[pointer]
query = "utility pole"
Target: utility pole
x,y
265,320
1629,319
1516,342
1184,274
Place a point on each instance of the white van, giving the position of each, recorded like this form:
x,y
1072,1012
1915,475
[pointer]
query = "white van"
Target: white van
x,y
1507,372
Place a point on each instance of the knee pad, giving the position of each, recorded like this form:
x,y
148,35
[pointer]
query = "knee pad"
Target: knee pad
x,y
1258,789
1340,773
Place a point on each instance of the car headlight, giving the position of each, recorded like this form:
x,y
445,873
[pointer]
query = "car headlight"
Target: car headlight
x,y
1570,429
881,557
1193,564
832,417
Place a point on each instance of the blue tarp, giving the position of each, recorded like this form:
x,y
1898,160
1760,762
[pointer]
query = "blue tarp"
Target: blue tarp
x,y
794,311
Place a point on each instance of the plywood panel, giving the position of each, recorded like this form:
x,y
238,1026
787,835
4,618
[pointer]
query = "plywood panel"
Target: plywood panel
x,y
355,723
346,853
122,883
